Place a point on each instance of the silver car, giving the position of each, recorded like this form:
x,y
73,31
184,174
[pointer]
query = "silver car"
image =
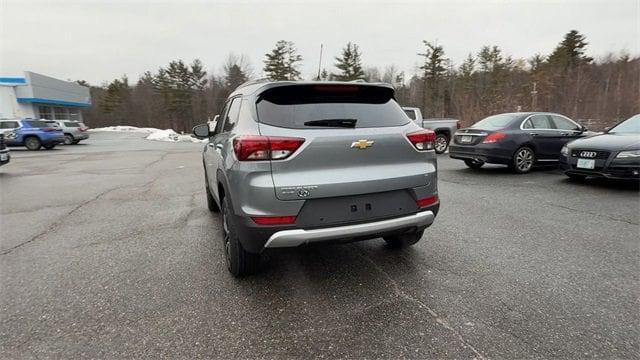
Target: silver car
x,y
74,131
292,163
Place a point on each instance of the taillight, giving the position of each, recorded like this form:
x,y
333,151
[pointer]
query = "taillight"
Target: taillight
x,y
428,201
422,140
494,137
274,220
458,125
253,148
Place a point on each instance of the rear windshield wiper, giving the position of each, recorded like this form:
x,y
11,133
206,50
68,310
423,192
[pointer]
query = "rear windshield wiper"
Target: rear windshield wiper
x,y
345,123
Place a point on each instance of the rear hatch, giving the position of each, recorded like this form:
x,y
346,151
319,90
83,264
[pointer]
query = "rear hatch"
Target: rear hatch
x,y
354,142
479,131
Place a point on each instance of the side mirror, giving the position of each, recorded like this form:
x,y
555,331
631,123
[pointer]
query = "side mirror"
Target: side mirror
x,y
606,130
201,131
583,128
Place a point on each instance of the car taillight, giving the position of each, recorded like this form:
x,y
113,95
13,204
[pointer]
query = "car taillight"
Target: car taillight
x,y
494,137
422,140
458,125
253,148
428,201
274,220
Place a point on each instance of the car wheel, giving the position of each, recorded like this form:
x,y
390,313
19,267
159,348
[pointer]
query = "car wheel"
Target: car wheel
x,y
474,164
32,143
49,147
523,160
75,142
68,139
442,142
403,240
239,262
576,177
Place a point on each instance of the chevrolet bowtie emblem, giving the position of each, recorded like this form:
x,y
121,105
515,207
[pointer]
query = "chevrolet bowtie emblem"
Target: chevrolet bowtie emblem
x,y
361,144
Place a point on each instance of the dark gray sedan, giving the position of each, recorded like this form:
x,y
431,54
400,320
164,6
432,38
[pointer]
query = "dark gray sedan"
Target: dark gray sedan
x,y
614,154
518,140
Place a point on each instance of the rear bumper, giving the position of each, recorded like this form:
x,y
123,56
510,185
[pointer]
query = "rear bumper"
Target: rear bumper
x,y
296,237
80,136
483,152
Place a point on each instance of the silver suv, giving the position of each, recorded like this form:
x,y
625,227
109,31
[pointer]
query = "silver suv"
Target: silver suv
x,y
74,131
292,163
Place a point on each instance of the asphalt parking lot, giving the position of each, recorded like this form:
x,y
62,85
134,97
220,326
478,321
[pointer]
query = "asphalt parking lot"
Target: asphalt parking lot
x,y
108,251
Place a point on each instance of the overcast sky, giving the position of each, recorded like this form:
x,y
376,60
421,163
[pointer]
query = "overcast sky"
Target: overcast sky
x,y
100,40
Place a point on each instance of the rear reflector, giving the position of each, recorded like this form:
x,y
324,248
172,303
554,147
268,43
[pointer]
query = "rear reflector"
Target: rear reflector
x,y
428,201
274,220
494,137
254,148
422,140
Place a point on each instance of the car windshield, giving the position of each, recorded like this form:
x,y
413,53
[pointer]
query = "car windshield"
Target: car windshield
x,y
629,126
495,122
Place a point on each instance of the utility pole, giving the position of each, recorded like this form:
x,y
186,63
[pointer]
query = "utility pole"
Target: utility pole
x,y
534,97
319,63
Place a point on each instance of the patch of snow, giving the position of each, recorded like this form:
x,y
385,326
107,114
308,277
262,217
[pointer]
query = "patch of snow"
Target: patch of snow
x,y
153,133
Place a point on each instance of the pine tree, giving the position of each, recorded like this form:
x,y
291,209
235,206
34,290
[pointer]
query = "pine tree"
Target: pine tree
x,y
570,52
434,70
282,62
349,64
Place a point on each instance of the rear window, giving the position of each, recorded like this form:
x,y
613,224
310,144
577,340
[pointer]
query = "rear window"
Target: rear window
x,y
329,107
71,124
37,124
495,122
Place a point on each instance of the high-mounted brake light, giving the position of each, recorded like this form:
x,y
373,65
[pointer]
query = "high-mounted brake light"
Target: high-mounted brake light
x,y
428,201
422,140
254,148
494,137
274,220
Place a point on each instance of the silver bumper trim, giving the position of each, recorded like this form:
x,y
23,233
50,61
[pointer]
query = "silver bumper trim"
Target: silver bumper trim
x,y
291,238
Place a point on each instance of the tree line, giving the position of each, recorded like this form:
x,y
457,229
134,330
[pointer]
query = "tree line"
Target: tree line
x,y
568,81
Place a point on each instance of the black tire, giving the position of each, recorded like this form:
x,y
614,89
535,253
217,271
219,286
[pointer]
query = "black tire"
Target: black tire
x,y
32,143
441,143
49,147
75,142
474,164
68,139
239,262
211,202
576,177
523,160
403,240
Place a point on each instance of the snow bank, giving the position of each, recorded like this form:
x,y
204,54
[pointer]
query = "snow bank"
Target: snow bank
x,y
153,133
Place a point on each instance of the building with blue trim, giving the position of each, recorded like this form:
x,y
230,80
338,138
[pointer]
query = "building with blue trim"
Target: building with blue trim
x,y
38,96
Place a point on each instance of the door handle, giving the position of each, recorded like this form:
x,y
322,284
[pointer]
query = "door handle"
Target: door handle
x,y
210,145
219,146
565,134
533,134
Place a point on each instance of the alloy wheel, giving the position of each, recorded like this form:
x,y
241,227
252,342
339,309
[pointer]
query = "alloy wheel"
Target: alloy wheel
x,y
441,144
68,140
524,160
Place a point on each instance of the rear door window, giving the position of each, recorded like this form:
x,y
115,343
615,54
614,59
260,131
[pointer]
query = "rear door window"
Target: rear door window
x,y
411,114
537,122
329,107
232,115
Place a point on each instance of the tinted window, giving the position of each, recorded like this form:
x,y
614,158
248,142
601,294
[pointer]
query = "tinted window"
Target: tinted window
x,y
538,122
232,115
37,124
500,121
9,125
411,114
71,124
330,106
564,124
629,126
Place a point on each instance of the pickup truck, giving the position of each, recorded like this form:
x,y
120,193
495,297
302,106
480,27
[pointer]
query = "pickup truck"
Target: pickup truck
x,y
444,128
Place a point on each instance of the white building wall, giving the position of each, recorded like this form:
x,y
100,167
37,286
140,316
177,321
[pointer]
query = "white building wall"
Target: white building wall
x,y
10,108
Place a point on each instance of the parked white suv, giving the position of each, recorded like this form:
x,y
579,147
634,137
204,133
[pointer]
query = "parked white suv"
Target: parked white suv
x,y
74,131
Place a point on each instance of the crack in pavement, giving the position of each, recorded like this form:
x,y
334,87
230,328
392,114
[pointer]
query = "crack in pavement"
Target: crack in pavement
x,y
56,224
592,213
421,305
